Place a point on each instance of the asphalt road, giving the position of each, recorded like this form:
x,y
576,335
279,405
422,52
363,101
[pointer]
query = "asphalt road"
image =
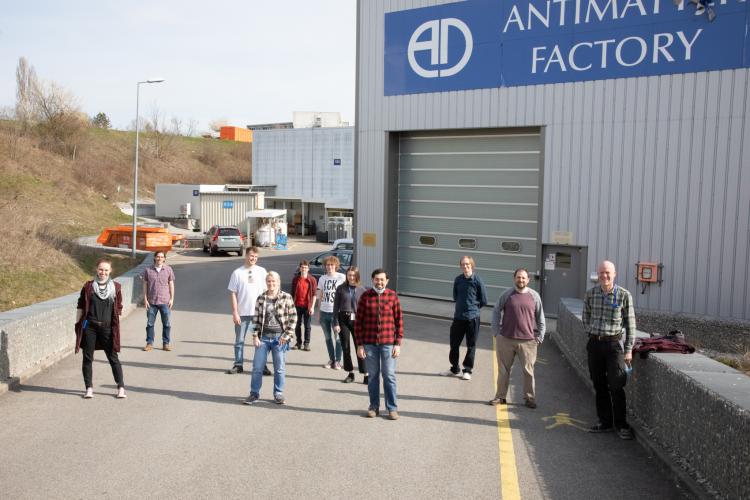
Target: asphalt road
x,y
183,432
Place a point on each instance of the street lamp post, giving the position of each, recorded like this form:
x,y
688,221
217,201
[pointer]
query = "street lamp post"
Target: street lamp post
x,y
135,175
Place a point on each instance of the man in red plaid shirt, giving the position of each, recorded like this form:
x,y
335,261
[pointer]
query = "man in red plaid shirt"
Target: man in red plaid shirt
x,y
378,330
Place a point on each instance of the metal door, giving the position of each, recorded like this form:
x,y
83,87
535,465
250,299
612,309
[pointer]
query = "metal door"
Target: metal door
x,y
563,275
472,194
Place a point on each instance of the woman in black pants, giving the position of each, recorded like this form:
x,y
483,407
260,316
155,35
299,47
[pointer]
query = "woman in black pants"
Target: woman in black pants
x,y
98,325
344,312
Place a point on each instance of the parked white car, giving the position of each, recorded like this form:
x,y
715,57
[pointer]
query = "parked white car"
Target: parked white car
x,y
343,244
223,239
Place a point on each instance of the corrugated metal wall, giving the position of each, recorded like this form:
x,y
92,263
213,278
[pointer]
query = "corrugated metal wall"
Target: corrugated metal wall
x,y
213,211
649,169
301,163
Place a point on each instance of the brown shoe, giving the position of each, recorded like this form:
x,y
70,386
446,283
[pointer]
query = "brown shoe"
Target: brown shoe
x,y
497,401
393,415
530,403
167,347
148,347
371,413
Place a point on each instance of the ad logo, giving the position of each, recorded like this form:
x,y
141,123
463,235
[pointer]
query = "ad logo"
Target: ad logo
x,y
437,44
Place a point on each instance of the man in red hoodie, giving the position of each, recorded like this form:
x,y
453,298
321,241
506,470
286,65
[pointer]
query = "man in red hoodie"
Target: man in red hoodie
x,y
304,286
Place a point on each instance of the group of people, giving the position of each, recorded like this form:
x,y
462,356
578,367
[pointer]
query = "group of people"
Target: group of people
x,y
371,321
518,325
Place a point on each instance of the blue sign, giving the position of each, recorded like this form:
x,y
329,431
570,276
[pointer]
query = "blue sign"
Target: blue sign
x,y
505,43
337,162
228,203
196,192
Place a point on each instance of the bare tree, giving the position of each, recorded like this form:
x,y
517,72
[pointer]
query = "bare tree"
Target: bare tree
x,y
58,119
50,101
192,127
51,109
26,85
159,140
176,126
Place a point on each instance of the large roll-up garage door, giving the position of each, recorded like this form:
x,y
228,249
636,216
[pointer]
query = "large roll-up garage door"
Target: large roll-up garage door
x,y
467,194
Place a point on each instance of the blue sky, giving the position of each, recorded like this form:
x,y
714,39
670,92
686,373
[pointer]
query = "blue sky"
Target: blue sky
x,y
247,62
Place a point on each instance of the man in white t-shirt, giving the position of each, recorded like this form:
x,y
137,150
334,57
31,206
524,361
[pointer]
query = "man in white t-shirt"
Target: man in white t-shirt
x,y
327,285
246,284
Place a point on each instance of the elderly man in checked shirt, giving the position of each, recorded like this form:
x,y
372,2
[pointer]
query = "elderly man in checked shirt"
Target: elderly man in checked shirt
x,y
378,330
607,311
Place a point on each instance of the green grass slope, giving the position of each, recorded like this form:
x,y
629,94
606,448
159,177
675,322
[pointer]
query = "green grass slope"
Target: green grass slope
x,y
47,199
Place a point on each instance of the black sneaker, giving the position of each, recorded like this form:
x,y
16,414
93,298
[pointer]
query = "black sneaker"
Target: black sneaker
x,y
234,369
366,379
625,433
349,378
266,371
601,428
279,399
252,398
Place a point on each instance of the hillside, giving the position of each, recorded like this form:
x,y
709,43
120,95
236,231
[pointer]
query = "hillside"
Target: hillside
x,y
47,198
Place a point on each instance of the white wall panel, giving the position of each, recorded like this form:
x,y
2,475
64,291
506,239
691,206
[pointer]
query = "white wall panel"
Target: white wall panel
x,y
669,152
300,162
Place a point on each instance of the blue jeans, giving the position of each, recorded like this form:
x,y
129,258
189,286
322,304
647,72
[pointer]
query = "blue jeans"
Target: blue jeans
x,y
259,362
166,326
247,324
326,322
379,358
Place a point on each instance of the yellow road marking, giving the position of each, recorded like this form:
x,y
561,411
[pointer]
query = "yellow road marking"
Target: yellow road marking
x,y
509,489
560,419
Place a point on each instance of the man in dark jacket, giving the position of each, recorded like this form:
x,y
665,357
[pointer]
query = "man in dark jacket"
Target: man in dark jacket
x,y
470,296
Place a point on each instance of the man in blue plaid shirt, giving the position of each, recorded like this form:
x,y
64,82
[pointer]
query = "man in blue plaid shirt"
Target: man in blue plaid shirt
x,y
608,311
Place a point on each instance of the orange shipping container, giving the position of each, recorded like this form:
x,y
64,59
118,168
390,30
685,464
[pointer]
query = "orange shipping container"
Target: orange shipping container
x,y
236,134
149,238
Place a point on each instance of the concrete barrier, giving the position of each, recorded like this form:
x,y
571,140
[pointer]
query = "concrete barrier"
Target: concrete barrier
x,y
35,337
690,409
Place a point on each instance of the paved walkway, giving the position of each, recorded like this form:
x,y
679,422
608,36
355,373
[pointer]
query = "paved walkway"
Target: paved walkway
x,y
183,432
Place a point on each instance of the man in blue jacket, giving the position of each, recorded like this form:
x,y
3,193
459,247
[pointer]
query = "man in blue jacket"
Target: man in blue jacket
x,y
470,295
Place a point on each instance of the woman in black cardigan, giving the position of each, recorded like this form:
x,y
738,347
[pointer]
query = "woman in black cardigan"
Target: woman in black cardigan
x,y
344,313
98,325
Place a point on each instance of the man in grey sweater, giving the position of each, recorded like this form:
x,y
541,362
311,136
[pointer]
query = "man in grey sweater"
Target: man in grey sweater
x,y
518,326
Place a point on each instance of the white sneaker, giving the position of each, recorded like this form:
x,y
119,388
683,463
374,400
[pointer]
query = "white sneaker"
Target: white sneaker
x,y
466,376
89,393
448,373
121,393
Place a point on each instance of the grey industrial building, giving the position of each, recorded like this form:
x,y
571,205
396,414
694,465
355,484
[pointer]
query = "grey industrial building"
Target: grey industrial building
x,y
499,130
312,169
